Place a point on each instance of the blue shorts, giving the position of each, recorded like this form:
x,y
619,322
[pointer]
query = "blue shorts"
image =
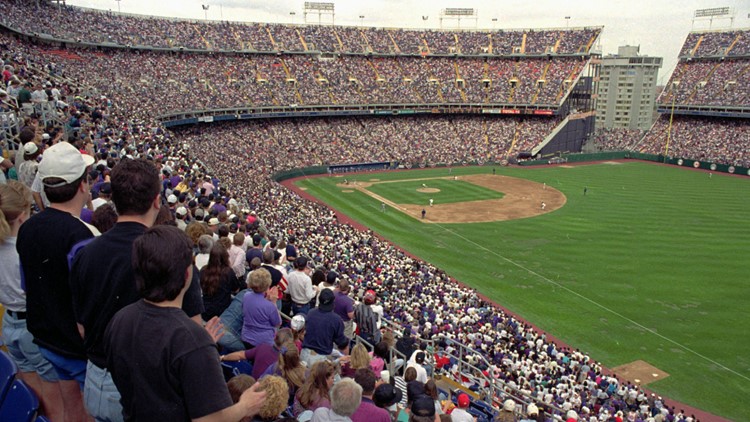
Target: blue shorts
x,y
67,369
22,349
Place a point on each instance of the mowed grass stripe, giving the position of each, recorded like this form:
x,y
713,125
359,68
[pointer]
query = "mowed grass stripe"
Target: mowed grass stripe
x,y
661,246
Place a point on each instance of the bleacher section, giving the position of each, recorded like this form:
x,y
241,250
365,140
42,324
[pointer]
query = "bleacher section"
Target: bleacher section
x,y
135,30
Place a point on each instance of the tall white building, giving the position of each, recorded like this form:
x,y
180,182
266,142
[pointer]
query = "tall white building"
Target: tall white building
x,y
627,90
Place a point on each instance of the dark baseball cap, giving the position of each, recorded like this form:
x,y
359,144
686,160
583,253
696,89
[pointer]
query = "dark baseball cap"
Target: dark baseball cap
x,y
423,406
326,299
386,395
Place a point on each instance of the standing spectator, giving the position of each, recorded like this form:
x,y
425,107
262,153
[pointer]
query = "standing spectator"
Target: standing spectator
x,y
291,249
346,397
417,364
261,317
35,370
300,287
28,168
237,255
343,306
43,244
135,192
323,328
218,282
165,366
367,319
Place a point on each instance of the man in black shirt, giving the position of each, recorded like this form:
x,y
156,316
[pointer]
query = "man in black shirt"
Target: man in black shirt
x,y
43,244
165,366
103,282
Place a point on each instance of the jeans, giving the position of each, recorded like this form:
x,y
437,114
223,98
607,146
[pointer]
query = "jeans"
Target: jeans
x,y
310,356
22,349
67,369
100,395
232,319
300,309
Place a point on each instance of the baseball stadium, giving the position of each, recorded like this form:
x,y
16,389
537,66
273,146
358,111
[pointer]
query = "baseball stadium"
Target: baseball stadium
x,y
454,186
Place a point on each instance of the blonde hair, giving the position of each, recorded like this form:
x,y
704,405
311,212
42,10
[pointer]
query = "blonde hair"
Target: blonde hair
x,y
259,280
15,199
359,357
277,397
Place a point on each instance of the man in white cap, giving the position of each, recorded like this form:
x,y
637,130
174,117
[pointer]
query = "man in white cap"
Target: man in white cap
x,y
43,245
181,217
28,168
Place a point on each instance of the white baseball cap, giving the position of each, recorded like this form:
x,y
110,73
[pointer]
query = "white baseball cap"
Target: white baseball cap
x,y
30,148
64,161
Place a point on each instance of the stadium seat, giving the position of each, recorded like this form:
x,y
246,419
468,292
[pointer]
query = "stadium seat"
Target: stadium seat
x,y
8,371
20,404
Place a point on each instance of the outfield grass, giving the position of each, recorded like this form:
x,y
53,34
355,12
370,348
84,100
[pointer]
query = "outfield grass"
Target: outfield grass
x,y
451,191
651,264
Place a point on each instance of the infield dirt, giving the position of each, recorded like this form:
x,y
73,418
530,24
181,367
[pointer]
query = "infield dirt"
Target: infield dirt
x,y
523,199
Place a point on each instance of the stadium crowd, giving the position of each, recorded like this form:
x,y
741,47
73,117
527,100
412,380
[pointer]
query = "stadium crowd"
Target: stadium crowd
x,y
712,71
709,83
185,82
221,195
616,139
717,43
709,139
73,23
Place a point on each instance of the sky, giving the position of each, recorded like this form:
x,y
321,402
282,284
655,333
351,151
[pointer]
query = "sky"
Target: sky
x,y
659,27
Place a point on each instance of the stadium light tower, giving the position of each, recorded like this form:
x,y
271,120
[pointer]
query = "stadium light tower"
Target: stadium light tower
x,y
567,21
205,10
118,5
494,23
361,20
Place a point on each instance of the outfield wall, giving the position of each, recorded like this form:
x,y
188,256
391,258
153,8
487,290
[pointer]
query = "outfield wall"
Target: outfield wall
x,y
619,155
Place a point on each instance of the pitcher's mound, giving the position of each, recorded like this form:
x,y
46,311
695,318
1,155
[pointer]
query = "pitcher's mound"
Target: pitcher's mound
x,y
428,190
640,372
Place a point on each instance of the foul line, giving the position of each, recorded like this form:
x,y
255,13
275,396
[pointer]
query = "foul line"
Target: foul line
x,y
530,271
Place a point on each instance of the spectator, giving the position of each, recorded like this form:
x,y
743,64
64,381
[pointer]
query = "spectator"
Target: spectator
x,y
459,414
343,306
264,355
43,244
314,393
218,282
277,396
238,384
367,410
346,397
35,370
323,329
136,351
388,397
261,318
300,286
135,189
367,319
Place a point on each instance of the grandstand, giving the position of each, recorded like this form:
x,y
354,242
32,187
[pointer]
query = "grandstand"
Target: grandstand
x,y
279,97
705,107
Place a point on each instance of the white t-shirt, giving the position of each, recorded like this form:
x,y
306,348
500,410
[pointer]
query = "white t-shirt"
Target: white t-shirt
x,y
461,415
